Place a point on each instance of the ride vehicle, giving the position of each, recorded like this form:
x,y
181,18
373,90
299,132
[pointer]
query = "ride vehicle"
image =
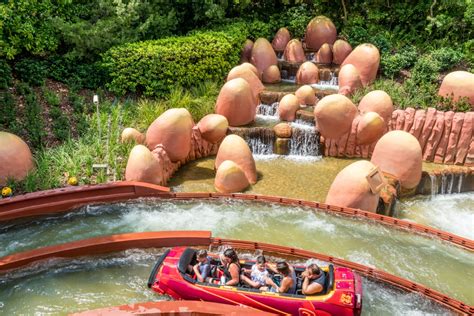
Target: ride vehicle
x,y
342,294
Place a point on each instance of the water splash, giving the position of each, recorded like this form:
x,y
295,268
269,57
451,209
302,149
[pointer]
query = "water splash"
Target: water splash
x,y
445,183
259,139
268,110
304,142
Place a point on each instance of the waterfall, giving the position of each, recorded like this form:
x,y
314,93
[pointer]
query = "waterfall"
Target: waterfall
x,y
445,183
461,176
304,142
268,110
434,184
259,139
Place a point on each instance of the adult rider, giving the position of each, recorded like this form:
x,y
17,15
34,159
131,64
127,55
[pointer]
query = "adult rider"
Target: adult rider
x,y
231,267
314,279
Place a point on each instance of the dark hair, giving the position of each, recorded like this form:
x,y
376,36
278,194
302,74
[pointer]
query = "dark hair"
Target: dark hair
x,y
261,259
283,268
202,253
314,269
230,253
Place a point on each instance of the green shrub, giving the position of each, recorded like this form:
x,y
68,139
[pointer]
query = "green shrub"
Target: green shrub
x,y
5,75
447,58
32,71
426,70
51,97
76,72
7,111
33,123
392,64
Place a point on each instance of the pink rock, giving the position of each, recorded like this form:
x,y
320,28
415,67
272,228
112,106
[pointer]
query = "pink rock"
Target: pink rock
x,y
350,188
263,55
393,121
333,148
252,68
281,39
349,79
282,130
320,30
306,95
418,122
16,159
230,178
271,75
352,139
308,73
458,84
409,119
172,129
399,154
465,139
235,148
324,54
236,102
400,120
456,127
287,107
371,127
366,58
427,127
341,49
377,101
341,145
246,53
248,75
294,52
470,156
213,127
132,135
333,115
443,143
435,137
143,166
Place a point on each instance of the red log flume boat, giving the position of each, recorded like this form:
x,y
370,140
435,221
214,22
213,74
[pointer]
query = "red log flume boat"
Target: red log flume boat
x,y
342,293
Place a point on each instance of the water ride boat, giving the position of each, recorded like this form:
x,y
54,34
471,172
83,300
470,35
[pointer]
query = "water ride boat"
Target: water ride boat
x,y
342,293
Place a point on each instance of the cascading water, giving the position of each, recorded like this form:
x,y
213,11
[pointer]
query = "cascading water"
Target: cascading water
x,y
304,140
446,183
259,139
268,110
331,84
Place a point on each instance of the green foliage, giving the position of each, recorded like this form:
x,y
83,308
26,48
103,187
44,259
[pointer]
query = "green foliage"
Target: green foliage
x,y
8,111
5,75
32,71
426,70
33,124
447,58
392,64
76,72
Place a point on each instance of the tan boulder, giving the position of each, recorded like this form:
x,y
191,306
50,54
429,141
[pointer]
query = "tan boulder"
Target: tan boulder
x,y
457,85
143,166
377,101
248,75
236,149
236,102
230,178
320,30
349,79
334,115
287,107
282,130
294,52
281,39
246,52
132,135
252,68
213,127
371,127
263,55
340,50
308,73
271,75
351,188
16,159
306,95
366,58
324,55
399,153
173,130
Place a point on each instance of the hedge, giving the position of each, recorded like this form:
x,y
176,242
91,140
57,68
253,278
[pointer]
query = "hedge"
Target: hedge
x,y
155,67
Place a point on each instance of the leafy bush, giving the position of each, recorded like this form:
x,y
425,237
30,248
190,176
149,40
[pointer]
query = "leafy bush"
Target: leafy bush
x,y
426,70
8,111
5,74
32,71
392,64
447,57
77,73
33,125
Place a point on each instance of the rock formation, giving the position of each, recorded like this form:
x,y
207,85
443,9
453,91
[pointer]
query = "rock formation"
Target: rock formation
x,y
143,166
340,50
294,52
333,115
230,178
306,95
236,102
15,158
457,85
271,75
246,53
213,127
132,135
349,79
281,39
366,59
377,101
320,30
287,107
263,55
248,75
324,54
308,73
371,127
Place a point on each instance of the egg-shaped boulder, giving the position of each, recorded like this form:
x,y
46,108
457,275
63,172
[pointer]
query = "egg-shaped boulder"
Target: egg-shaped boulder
x,y
366,58
252,68
281,39
173,130
16,159
333,115
457,85
308,73
132,135
320,30
399,154
236,149
263,55
351,188
246,52
271,75
377,101
287,107
282,130
230,178
324,55
306,95
143,166
294,52
236,102
248,75
213,127
340,50
370,128
349,79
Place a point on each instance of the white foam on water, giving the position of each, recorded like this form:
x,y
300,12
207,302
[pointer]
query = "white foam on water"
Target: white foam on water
x,y
302,125
325,86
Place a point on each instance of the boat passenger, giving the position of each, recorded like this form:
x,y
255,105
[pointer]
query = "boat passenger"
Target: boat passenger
x,y
314,279
288,283
258,273
231,268
202,269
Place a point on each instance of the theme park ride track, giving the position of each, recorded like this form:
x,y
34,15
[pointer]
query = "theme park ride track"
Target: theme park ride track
x,y
115,243
64,199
